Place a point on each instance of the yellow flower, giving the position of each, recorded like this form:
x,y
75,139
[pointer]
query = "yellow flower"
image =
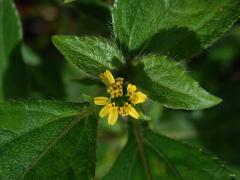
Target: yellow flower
x,y
118,103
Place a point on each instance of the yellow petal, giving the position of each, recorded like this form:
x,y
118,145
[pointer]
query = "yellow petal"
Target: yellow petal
x,y
101,100
141,97
113,116
110,77
107,78
133,112
105,110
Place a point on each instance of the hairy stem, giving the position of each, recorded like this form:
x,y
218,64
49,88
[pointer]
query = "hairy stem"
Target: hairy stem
x,y
139,138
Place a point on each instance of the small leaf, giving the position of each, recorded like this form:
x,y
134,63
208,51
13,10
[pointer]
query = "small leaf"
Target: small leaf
x,y
167,83
10,36
91,55
176,27
148,155
46,136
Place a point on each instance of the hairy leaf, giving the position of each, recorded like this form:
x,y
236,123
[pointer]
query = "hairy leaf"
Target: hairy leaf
x,y
177,27
46,139
148,155
167,83
10,36
91,55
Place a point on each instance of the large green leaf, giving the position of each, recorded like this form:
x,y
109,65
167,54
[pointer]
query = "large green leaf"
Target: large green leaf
x,y
46,139
178,27
167,83
10,36
148,155
90,55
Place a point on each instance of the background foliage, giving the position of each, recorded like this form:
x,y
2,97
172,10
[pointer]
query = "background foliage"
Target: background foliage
x,y
32,68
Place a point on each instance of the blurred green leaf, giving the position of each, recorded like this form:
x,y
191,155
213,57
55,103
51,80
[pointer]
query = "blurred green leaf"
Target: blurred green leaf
x,y
46,139
29,56
76,84
81,1
88,98
68,1
16,78
179,28
167,83
148,155
10,36
91,55
227,50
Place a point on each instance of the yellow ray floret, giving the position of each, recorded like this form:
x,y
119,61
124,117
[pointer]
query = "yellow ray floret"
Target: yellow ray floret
x,y
138,97
133,112
107,78
113,116
122,98
101,100
105,110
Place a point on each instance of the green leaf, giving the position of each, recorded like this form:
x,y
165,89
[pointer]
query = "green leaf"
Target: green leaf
x,y
91,55
179,28
29,56
46,139
10,36
148,155
167,83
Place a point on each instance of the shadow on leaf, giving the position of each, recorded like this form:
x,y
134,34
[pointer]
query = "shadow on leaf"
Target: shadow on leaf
x,y
178,42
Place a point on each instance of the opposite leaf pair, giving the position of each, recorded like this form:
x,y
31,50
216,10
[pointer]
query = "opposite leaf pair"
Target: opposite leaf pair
x,y
160,77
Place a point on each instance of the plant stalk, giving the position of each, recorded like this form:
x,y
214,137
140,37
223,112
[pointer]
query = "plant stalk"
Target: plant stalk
x,y
139,138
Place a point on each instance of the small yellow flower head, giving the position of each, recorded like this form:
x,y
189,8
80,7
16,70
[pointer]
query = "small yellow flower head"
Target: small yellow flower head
x,y
122,98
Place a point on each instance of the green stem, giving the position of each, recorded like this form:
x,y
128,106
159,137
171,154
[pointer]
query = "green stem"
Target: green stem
x,y
139,138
